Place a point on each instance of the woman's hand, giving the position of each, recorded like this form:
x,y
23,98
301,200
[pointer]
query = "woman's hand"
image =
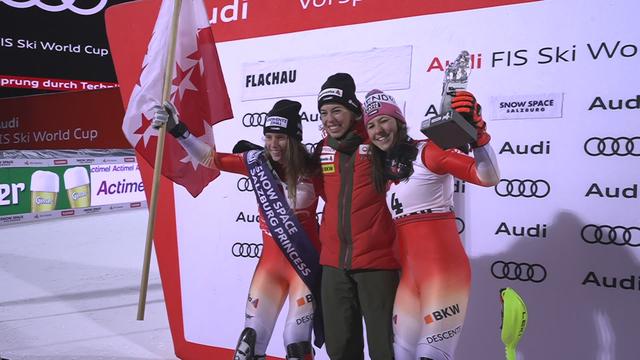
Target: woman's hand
x,y
167,115
466,105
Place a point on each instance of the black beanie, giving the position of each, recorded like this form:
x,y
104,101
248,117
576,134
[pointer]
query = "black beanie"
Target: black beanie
x,y
340,89
284,118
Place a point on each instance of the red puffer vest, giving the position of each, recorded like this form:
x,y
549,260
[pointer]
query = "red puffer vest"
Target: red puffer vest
x,y
357,231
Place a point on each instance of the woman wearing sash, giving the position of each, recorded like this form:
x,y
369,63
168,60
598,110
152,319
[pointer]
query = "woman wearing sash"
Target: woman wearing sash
x,y
274,278
431,300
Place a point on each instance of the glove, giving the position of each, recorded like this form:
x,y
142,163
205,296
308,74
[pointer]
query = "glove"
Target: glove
x,y
244,145
466,105
398,163
168,116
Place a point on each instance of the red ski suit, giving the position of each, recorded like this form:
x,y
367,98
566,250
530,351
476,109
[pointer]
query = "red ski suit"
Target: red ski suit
x,y
274,278
431,300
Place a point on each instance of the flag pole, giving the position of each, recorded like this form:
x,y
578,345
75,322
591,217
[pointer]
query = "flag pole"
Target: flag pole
x,y
162,132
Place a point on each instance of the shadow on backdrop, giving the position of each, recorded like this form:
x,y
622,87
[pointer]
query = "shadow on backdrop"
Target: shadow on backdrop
x,y
574,312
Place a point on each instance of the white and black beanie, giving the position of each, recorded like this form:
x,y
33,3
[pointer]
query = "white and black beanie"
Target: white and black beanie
x,y
340,89
284,118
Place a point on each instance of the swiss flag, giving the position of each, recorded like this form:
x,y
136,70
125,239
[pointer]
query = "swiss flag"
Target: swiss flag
x,y
197,90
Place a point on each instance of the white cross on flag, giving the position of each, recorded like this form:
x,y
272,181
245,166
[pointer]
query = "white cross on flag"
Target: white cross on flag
x,y
198,92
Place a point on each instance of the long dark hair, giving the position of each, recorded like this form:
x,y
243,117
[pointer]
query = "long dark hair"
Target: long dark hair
x,y
298,163
385,164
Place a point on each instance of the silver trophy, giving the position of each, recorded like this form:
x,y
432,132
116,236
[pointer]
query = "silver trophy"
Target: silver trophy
x,y
449,129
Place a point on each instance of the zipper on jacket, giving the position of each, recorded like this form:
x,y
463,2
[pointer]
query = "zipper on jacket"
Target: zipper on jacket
x,y
341,201
347,168
345,260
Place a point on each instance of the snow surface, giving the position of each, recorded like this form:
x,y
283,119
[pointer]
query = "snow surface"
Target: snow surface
x,y
69,290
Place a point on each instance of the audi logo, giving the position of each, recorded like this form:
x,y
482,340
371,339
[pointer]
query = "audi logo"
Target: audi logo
x,y
460,225
246,250
64,5
606,235
254,119
518,271
610,146
244,184
526,188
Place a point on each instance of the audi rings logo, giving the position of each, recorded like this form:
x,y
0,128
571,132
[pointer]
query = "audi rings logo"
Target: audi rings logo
x,y
246,250
254,119
610,146
244,184
64,5
460,225
606,235
518,271
526,188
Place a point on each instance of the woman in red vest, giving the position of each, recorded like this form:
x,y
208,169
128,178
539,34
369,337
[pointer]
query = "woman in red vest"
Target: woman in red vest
x,y
359,269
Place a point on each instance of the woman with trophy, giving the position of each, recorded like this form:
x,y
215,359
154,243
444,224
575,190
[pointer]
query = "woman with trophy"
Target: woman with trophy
x,y
431,300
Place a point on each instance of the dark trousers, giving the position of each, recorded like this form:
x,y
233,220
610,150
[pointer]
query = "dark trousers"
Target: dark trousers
x,y
349,295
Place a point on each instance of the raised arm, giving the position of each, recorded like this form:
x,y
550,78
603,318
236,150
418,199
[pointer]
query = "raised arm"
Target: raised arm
x,y
483,168
204,153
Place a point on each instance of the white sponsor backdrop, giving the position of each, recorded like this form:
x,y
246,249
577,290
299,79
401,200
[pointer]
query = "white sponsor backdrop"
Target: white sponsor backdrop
x,y
569,51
